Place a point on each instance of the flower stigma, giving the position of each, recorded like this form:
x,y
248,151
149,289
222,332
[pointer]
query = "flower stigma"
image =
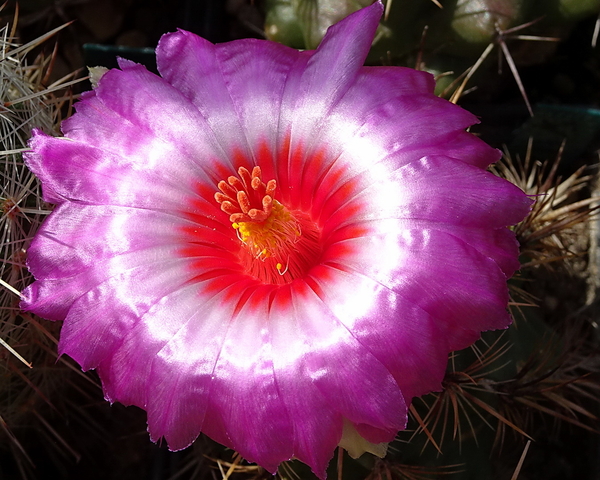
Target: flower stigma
x,y
279,245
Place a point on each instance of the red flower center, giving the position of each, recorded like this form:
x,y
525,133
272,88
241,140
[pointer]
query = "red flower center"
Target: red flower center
x,y
278,245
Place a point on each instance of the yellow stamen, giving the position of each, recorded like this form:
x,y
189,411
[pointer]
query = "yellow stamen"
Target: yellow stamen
x,y
279,245
271,237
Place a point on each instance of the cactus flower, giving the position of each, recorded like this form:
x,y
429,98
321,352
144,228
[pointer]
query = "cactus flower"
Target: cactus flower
x,y
275,248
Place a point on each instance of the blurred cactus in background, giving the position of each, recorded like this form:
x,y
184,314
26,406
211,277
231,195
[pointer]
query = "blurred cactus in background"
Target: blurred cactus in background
x,y
443,37
460,25
29,372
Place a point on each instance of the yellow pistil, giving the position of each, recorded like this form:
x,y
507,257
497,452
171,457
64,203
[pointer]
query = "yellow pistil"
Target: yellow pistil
x,y
272,237
279,245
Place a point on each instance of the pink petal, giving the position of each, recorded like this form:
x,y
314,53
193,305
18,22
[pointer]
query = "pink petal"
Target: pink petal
x,y
437,189
307,350
401,335
112,305
123,230
464,289
94,175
